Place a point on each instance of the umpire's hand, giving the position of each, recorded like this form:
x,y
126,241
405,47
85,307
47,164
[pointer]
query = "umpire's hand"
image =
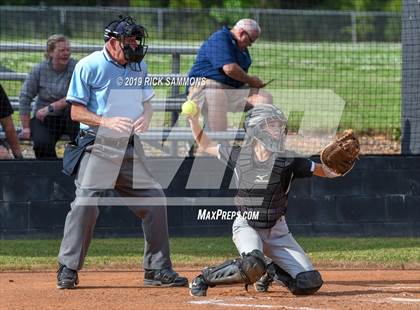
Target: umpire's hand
x,y
141,124
120,124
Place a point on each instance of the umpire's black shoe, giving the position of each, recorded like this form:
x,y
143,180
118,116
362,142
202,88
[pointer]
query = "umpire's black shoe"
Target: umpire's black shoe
x,y
66,277
164,277
198,286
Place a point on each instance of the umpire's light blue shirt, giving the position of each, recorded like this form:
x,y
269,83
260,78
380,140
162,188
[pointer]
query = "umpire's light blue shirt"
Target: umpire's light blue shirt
x,y
220,49
109,89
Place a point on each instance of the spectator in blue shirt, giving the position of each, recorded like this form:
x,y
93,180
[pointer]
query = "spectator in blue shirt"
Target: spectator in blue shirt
x,y
223,60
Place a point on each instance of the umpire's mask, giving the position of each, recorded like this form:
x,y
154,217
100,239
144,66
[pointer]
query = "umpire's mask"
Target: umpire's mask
x,y
126,28
267,124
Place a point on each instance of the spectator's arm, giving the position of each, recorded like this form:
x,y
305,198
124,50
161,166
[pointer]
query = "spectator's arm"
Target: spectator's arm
x,y
234,71
27,94
59,104
11,136
26,132
29,91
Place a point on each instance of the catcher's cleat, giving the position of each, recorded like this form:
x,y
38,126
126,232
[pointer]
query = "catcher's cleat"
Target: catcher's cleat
x,y
263,283
66,278
198,286
164,277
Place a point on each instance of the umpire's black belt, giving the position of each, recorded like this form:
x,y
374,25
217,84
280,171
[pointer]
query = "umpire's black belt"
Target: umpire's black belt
x,y
109,141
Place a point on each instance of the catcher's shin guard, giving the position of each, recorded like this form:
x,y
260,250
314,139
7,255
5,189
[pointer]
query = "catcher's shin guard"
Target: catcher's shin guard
x,y
265,281
247,269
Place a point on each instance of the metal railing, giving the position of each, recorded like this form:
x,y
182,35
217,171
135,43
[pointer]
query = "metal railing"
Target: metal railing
x,y
176,52
159,104
167,104
20,76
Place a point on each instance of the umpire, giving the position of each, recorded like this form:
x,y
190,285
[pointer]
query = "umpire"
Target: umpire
x,y
111,103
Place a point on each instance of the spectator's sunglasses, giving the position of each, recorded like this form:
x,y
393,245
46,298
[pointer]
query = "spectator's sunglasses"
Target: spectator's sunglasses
x,y
248,36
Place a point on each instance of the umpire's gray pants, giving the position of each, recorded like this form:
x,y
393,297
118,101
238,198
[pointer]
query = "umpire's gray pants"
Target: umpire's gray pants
x,y
277,243
95,176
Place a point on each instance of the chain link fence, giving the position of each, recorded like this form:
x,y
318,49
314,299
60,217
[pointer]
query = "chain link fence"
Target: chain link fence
x,y
194,24
354,55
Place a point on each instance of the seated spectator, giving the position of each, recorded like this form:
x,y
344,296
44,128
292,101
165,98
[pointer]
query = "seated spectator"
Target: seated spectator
x,y
6,122
223,60
48,81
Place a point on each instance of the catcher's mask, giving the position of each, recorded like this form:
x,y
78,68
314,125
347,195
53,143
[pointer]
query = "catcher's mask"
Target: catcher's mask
x,y
267,124
126,27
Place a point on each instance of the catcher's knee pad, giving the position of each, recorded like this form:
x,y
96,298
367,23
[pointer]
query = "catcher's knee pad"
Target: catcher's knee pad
x,y
306,283
247,269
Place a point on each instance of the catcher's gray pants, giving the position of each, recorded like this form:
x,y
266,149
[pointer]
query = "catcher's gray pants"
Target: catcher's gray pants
x,y
277,243
92,180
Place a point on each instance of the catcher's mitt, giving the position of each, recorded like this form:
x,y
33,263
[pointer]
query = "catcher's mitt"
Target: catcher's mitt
x,y
339,156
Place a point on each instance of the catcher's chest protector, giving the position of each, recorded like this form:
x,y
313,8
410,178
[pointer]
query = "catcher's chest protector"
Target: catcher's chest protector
x,y
270,181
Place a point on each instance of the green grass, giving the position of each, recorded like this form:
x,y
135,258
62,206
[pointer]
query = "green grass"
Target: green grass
x,y
199,252
367,75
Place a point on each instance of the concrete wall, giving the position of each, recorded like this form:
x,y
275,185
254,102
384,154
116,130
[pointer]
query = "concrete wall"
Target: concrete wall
x,y
410,108
380,197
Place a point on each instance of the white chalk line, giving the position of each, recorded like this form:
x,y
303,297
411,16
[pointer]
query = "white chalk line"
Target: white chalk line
x,y
250,298
392,300
394,287
405,300
222,303
397,286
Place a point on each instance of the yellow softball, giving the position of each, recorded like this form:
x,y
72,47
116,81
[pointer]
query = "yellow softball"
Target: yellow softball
x,y
189,108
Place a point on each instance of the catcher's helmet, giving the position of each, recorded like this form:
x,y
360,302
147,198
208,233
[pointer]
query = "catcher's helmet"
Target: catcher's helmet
x,y
267,124
127,27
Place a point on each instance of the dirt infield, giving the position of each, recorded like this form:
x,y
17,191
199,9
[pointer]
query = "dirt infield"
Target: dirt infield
x,y
105,290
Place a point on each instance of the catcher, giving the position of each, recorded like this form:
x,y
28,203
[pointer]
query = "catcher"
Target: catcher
x,y
261,169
